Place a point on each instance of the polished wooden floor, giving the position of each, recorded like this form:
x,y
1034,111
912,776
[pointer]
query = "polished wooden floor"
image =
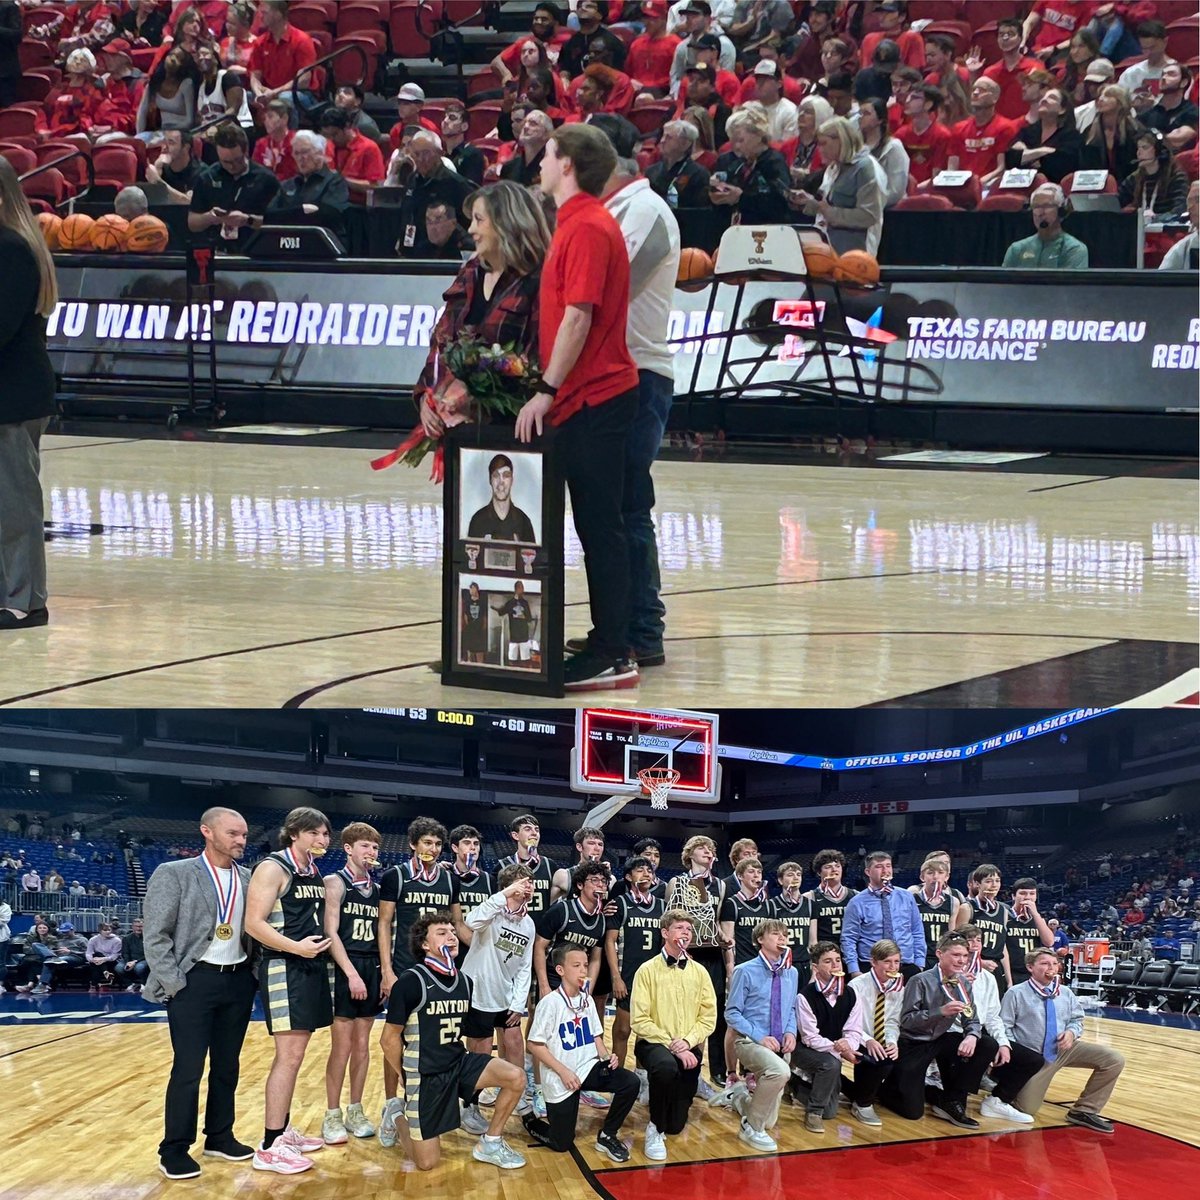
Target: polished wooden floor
x,y
84,1105
232,574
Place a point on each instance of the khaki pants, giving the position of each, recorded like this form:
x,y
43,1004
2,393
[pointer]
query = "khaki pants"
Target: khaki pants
x,y
1106,1065
772,1074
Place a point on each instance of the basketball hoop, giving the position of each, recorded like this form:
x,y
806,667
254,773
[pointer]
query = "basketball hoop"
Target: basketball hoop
x,y
657,783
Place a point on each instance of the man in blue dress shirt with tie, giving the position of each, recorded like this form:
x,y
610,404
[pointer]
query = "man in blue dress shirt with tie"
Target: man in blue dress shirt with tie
x,y
881,912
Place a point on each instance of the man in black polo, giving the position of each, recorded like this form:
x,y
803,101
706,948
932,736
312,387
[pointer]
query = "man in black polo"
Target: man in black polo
x,y
468,160
501,520
443,236
431,180
677,177
317,195
176,167
574,55
231,198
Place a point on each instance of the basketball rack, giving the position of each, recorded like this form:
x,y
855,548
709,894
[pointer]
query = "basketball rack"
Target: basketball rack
x,y
830,357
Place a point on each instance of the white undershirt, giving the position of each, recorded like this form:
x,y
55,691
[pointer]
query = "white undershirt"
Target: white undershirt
x,y
229,953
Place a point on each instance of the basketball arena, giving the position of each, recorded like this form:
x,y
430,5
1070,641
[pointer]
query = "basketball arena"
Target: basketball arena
x,y
1093,805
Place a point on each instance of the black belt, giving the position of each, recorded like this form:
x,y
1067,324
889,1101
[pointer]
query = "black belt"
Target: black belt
x,y
223,967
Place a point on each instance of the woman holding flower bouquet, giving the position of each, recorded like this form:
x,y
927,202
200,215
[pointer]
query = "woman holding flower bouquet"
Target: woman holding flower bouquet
x,y
493,302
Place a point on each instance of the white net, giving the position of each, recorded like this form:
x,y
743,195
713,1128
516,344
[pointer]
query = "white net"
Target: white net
x,y
657,783
694,898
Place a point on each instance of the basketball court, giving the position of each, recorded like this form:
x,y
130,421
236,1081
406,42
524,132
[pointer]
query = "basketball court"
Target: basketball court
x,y
261,570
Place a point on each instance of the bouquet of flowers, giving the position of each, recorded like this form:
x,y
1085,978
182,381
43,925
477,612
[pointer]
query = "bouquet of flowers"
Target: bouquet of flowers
x,y
479,382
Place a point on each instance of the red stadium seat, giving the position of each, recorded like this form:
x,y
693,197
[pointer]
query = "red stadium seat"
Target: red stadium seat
x,y
407,39
355,16
310,18
116,164
936,10
650,118
348,68
22,160
923,202
960,31
1109,189
1188,162
34,86
482,118
17,121
50,186
1003,202
1183,38
965,195
328,7
985,12
74,169
984,39
484,81
34,55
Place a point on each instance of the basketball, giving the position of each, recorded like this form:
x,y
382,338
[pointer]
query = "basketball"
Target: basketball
x,y
693,264
51,226
75,232
147,235
108,233
857,266
820,259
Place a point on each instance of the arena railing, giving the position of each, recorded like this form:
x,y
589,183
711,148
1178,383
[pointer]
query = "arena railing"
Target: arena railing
x,y
54,163
353,48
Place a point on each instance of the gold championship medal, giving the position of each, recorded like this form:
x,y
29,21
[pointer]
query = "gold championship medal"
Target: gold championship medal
x,y
224,932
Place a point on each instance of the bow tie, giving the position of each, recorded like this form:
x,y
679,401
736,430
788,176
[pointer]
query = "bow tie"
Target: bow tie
x,y
676,962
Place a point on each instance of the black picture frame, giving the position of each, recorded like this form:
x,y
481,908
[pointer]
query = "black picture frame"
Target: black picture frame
x,y
497,565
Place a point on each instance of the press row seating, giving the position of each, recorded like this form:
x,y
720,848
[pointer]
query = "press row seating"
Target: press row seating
x,y
1155,985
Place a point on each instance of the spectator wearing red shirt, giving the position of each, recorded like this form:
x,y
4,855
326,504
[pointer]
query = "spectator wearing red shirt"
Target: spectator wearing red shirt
x,y
904,79
279,53
238,45
409,102
1134,917
793,89
547,27
707,49
590,389
620,96
892,16
77,104
354,156
980,142
1008,71
123,87
600,89
925,138
954,81
1051,23
650,56
212,12
275,150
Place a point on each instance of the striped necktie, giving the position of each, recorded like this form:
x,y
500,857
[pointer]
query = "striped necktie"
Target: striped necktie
x,y
877,1025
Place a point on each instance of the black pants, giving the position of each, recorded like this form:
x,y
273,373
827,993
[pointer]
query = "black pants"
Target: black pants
x,y
712,959
672,1087
623,1086
904,1089
592,449
103,973
1021,1067
207,1019
869,1076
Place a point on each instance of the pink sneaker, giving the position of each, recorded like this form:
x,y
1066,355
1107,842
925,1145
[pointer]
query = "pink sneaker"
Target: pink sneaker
x,y
281,1159
293,1139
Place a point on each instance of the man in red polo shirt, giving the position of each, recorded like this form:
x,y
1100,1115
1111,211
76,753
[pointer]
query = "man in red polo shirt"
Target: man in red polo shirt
x,y
279,53
979,142
547,26
1008,71
650,56
355,156
590,389
892,17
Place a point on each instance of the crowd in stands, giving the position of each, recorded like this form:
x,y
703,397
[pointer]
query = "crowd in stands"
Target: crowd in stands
x,y
830,113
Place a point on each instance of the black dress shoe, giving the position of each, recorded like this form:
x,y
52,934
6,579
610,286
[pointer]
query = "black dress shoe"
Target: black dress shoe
x,y
1090,1120
36,616
955,1113
230,1149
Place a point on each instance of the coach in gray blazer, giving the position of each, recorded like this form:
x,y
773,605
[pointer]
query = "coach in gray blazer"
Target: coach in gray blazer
x,y
200,967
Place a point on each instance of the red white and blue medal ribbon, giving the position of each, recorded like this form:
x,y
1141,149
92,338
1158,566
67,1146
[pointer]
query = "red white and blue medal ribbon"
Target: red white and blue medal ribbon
x,y
641,899
424,872
443,965
225,903
363,886
832,893
757,897
777,968
939,890
290,858
893,983
834,988
1046,993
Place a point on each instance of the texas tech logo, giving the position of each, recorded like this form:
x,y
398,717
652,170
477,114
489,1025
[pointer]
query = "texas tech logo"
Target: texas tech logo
x,y
760,240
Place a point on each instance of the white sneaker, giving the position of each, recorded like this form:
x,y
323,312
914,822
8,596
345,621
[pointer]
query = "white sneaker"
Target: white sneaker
x,y
740,1099
866,1114
524,1107
333,1128
393,1110
757,1139
538,1100
724,1098
357,1122
281,1159
499,1153
473,1121
704,1089
987,1084
301,1143
644,1094
656,1144
999,1111
488,1096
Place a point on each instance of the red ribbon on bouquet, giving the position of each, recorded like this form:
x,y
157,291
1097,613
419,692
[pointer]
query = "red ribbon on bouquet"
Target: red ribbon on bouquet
x,y
410,443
